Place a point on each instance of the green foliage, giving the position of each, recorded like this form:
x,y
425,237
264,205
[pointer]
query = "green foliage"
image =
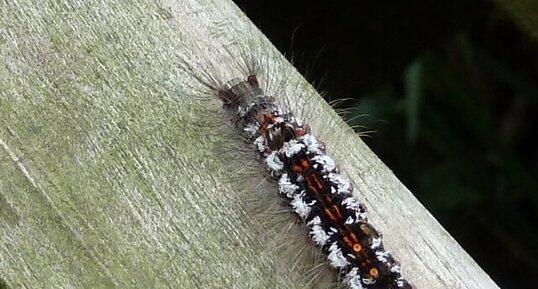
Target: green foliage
x,y
455,130
525,12
413,97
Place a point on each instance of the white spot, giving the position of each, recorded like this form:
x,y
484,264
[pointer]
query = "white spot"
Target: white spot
x,y
300,206
291,148
376,242
382,256
395,268
326,162
336,258
400,282
297,121
274,163
352,204
251,105
343,186
353,279
361,216
368,281
252,128
312,144
270,126
240,112
319,236
279,111
278,120
260,144
286,187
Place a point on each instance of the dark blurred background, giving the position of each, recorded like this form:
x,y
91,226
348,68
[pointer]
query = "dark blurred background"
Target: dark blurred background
x,y
450,91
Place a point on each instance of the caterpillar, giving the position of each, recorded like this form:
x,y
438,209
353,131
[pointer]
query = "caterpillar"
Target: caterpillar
x,y
311,185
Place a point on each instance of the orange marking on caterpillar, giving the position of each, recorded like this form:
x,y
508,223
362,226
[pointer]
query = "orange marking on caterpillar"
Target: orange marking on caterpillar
x,y
334,213
300,167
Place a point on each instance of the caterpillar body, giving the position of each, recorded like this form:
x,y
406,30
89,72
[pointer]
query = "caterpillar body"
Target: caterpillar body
x,y
311,185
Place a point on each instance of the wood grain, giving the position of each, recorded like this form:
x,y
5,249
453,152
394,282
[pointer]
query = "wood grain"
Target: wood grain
x,y
113,167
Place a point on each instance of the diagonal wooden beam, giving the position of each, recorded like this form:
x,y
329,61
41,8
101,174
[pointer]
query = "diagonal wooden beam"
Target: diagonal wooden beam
x,y
118,169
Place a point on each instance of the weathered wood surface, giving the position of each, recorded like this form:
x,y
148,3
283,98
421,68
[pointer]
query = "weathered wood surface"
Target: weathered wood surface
x,y
113,172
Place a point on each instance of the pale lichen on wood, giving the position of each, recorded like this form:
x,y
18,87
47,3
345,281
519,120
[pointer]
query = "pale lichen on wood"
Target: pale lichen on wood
x,y
112,173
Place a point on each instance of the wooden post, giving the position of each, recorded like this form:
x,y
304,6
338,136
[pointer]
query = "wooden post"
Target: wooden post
x,y
113,168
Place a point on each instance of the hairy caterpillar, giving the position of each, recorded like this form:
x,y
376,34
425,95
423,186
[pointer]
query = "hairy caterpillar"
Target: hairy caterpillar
x,y
310,183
